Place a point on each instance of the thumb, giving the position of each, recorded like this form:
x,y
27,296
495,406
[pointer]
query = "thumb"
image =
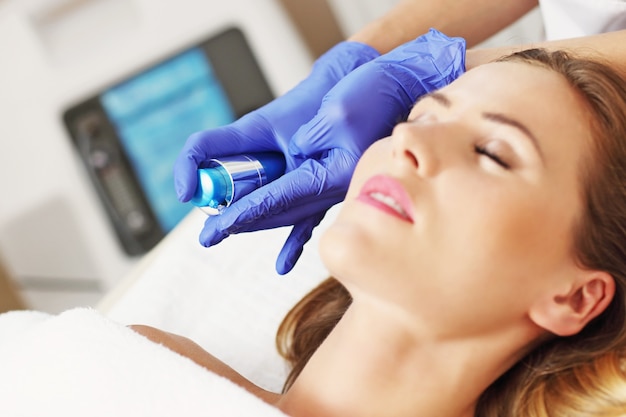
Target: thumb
x,y
185,177
316,136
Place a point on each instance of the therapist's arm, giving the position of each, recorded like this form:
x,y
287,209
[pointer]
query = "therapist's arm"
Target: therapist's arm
x,y
610,47
475,21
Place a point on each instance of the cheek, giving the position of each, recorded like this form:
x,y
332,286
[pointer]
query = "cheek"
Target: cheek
x,y
508,228
354,243
376,159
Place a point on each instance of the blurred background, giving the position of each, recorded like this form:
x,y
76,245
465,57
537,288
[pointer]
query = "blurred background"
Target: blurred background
x,y
98,96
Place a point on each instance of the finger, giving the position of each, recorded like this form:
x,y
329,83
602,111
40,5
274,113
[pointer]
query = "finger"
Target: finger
x,y
212,143
351,119
289,191
312,188
210,235
286,201
316,136
215,230
294,245
248,213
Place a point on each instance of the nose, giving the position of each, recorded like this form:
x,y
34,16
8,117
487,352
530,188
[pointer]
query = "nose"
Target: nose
x,y
425,148
410,150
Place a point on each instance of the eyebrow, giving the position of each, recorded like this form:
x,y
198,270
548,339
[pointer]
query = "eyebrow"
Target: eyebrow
x,y
438,97
494,117
501,118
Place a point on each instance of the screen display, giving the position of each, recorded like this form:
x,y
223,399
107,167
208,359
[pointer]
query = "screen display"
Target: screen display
x,y
154,113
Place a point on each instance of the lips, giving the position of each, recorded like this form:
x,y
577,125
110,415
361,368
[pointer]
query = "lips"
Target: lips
x,y
388,195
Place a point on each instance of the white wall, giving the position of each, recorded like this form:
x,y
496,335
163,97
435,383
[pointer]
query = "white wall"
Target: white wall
x,y
54,53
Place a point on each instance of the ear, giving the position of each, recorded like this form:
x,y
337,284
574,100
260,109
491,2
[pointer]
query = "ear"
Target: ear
x,y
565,313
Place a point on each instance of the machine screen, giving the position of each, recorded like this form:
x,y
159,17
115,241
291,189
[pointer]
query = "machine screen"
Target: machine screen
x,y
129,135
154,112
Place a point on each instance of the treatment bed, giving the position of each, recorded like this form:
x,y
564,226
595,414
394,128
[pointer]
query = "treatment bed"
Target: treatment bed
x,y
227,298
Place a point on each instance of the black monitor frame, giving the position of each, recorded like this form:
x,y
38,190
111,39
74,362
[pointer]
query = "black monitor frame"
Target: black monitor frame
x,y
100,149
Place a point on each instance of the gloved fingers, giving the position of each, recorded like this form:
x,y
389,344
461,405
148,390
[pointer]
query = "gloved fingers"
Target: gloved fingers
x,y
351,119
362,108
349,128
309,189
431,61
212,143
343,58
339,120
294,245
248,213
340,165
185,177
444,52
216,228
365,105
261,209
316,136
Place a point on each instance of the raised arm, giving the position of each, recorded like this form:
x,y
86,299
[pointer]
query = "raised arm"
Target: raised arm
x,y
474,21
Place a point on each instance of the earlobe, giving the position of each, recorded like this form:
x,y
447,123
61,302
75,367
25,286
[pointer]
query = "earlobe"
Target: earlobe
x,y
568,313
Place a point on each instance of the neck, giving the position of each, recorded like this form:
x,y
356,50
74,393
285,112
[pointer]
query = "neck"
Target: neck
x,y
376,362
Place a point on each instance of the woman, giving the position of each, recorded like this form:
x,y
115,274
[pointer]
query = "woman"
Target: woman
x,y
480,257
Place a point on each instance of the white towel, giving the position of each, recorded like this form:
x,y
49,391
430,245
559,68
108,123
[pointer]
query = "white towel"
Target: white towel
x,y
81,363
227,298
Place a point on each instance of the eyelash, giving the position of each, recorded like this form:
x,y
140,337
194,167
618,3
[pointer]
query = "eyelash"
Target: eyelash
x,y
481,150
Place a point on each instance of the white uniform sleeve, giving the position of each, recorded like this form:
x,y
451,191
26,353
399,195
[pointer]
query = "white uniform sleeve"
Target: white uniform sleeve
x,y
574,18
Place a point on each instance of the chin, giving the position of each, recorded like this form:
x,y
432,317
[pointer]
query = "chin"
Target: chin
x,y
345,249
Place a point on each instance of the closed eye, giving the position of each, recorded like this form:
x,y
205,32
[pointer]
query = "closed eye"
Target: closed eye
x,y
494,157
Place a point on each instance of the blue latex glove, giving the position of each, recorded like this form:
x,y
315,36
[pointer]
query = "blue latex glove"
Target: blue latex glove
x,y
361,108
269,128
368,104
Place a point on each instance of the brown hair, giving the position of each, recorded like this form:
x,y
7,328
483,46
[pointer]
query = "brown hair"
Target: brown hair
x,y
580,375
308,323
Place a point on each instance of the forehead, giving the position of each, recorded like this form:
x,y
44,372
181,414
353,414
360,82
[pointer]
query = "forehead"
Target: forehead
x,y
516,84
521,88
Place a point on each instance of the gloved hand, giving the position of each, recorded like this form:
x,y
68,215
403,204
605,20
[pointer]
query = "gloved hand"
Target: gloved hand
x,y
366,105
271,127
363,107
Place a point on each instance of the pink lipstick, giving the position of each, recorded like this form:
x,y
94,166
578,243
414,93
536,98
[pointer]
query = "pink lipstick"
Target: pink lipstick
x,y
387,195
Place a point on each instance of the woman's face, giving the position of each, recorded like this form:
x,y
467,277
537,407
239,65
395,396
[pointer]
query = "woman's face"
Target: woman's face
x,y
465,214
